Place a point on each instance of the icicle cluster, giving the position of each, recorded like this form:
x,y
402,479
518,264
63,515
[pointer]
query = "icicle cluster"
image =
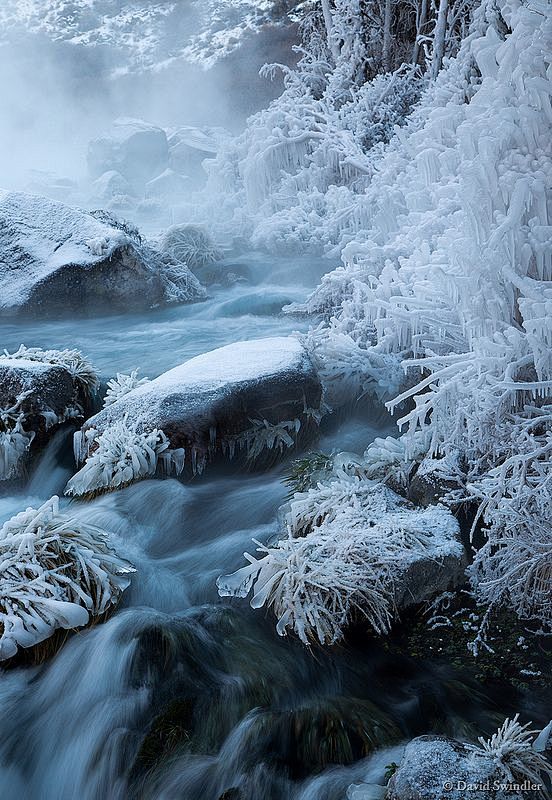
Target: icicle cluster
x,y
57,572
117,457
348,543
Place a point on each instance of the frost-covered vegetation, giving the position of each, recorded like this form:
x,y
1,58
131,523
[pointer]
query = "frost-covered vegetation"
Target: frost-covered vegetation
x,y
349,543
190,245
424,160
122,384
115,458
57,572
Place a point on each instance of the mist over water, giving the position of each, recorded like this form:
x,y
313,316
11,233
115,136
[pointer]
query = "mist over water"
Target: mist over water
x,y
56,95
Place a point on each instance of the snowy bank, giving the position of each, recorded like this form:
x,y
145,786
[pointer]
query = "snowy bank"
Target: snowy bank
x,y
257,398
54,257
57,572
39,391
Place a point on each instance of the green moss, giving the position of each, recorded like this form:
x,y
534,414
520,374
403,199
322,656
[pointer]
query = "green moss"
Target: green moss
x,y
517,656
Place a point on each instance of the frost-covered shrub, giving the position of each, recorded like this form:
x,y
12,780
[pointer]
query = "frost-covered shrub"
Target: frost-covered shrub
x,y
122,384
116,458
450,277
57,572
519,753
348,543
190,245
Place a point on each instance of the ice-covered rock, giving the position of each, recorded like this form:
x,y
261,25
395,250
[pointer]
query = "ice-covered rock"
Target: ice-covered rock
x,y
54,257
188,148
39,390
352,549
109,185
136,149
506,767
257,398
170,185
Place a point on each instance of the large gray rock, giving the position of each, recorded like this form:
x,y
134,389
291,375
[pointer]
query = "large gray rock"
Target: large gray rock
x,y
257,398
54,257
437,767
137,150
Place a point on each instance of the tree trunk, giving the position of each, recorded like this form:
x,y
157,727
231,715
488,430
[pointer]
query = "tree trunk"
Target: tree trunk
x,y
439,38
328,22
421,20
386,52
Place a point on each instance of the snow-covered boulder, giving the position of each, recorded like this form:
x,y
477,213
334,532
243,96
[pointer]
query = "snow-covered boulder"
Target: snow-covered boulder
x,y
188,148
109,185
509,766
136,149
57,572
54,257
257,398
39,390
168,186
353,549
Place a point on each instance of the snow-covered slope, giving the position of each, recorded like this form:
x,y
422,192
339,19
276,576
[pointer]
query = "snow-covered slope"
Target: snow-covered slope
x,y
145,34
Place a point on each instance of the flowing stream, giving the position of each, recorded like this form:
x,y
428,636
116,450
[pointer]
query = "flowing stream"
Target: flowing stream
x,y
180,694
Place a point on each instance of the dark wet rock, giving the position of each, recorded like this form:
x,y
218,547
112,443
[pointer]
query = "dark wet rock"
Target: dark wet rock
x,y
57,258
137,150
304,741
257,399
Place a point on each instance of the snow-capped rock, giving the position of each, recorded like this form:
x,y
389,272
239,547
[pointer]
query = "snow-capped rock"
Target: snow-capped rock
x,y
170,185
502,768
109,185
256,398
136,149
39,390
54,257
188,148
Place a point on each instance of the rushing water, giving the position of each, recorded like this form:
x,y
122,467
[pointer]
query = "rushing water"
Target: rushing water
x,y
180,694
